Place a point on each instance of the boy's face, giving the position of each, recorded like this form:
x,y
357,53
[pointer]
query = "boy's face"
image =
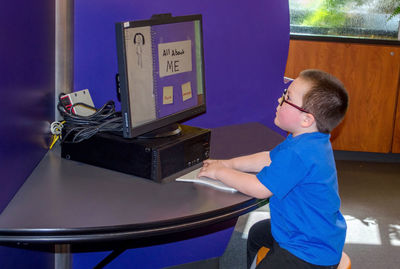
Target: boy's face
x,y
287,117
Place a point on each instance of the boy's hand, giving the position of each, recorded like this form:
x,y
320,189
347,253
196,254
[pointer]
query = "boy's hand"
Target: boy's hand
x,y
225,163
211,167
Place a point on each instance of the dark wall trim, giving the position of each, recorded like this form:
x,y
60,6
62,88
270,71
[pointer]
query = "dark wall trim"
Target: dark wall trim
x,y
344,39
366,156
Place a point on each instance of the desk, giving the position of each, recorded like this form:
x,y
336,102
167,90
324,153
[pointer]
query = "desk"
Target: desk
x,y
66,202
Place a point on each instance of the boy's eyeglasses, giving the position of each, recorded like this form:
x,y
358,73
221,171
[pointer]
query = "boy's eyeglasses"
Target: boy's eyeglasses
x,y
283,100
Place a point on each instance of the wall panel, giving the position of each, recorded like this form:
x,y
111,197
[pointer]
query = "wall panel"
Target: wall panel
x,y
245,51
27,83
370,74
396,132
27,80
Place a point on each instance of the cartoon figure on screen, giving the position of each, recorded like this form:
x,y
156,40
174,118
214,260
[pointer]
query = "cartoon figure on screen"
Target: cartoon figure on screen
x,y
138,40
306,228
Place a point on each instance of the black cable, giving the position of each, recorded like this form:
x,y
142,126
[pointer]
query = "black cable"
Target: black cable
x,y
78,128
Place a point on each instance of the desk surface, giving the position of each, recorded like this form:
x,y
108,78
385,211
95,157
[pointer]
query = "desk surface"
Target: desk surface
x,y
65,201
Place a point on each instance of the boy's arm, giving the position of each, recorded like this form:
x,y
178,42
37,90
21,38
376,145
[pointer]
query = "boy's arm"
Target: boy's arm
x,y
249,163
243,182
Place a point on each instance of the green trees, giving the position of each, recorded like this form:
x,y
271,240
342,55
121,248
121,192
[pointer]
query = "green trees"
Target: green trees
x,y
362,18
337,13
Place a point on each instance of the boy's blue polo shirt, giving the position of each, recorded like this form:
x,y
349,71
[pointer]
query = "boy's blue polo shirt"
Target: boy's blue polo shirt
x,y
305,216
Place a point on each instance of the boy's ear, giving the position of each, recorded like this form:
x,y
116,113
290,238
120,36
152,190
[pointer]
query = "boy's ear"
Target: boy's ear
x,y
308,120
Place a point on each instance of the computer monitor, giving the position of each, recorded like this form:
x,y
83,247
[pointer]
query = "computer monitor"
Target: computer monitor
x,y
161,73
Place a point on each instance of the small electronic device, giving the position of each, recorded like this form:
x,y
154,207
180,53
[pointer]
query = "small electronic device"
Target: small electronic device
x,y
161,72
78,103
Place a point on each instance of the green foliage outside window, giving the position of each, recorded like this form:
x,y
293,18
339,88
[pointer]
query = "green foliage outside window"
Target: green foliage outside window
x,y
330,13
361,18
396,10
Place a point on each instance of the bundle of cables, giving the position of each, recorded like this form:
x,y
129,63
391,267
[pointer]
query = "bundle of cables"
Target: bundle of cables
x,y
76,128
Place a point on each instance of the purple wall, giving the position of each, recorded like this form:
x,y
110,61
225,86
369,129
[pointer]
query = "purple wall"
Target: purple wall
x,y
245,46
27,78
23,258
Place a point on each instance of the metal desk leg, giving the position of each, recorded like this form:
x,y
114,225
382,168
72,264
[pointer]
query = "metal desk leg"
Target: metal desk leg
x,y
62,256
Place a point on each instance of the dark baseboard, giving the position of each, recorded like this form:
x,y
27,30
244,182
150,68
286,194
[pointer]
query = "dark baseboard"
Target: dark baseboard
x,y
366,156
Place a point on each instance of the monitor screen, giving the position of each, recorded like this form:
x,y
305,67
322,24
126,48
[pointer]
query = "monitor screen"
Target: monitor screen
x,y
161,72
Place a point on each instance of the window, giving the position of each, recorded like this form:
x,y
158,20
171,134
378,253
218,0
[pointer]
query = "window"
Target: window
x,y
348,18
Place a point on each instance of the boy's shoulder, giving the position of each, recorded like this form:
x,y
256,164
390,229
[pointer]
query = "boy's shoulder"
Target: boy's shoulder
x,y
315,146
306,141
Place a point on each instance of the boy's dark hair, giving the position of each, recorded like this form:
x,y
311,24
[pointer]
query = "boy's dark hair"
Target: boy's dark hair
x,y
327,99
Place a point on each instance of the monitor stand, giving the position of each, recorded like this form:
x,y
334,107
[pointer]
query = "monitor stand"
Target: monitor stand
x,y
166,131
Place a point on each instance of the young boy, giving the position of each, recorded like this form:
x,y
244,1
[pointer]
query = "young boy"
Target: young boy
x,y
306,229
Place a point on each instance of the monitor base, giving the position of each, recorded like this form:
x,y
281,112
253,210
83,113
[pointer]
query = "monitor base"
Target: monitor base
x,y
166,131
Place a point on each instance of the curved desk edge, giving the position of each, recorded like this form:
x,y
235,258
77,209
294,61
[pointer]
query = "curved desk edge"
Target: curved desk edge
x,y
125,232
